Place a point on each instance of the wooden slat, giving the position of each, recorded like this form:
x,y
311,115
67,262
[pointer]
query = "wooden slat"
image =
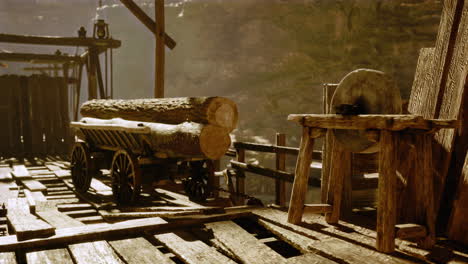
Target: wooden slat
x,y
191,251
49,256
94,252
20,172
8,258
387,122
34,186
5,174
139,251
24,224
62,173
243,245
405,231
317,208
100,187
33,198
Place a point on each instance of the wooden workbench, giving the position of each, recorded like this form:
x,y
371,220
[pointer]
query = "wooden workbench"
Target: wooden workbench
x,y
386,129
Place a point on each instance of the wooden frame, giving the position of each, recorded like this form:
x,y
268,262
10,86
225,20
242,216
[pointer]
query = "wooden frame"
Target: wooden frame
x,y
390,127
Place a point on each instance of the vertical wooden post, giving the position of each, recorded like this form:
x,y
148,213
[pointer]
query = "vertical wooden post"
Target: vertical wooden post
x,y
160,56
301,179
340,168
386,197
102,91
240,179
328,90
78,92
424,169
92,79
280,185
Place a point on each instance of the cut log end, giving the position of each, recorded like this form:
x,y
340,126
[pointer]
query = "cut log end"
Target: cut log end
x,y
223,112
214,141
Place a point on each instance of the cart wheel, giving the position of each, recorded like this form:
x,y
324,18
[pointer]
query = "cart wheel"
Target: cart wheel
x,y
126,177
81,167
196,186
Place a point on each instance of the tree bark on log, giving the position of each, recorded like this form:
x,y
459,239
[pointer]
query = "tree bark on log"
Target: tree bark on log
x,y
185,140
217,111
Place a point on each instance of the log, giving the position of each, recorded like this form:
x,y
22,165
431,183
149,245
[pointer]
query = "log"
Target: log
x,y
217,111
186,140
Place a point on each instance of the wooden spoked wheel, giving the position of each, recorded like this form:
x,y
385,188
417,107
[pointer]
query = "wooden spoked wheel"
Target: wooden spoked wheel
x,y
81,167
196,186
126,177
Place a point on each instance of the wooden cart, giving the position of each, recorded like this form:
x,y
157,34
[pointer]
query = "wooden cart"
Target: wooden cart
x,y
134,165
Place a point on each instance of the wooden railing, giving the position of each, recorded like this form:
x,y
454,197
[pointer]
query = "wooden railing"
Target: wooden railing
x,y
280,174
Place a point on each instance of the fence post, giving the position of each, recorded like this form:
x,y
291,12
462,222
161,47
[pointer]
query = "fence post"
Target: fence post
x,y
240,179
280,185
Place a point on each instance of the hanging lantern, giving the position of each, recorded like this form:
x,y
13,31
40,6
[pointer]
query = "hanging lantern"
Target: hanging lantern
x,y
101,29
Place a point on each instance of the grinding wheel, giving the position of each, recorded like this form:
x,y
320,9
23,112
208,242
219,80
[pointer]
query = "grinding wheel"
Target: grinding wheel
x,y
365,92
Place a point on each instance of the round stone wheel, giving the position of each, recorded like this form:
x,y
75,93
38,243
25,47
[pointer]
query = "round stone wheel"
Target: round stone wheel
x,y
366,92
81,167
126,177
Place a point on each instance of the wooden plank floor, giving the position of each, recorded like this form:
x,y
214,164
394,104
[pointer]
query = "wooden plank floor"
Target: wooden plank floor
x,y
169,228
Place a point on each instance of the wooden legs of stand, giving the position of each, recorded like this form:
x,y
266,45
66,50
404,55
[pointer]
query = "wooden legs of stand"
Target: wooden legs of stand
x,y
301,179
340,170
386,196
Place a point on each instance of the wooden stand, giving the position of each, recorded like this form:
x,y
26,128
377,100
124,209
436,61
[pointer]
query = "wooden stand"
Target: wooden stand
x,y
390,128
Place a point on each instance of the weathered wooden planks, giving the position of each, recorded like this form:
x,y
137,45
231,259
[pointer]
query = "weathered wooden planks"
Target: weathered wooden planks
x,y
453,104
20,172
49,256
191,251
94,252
343,250
139,251
243,245
47,211
24,224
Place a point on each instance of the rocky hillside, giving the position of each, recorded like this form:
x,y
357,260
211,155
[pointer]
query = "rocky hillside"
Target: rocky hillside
x,y
271,57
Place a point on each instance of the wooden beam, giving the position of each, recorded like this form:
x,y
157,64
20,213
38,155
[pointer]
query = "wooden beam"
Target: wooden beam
x,y
160,52
267,172
147,21
60,41
38,58
92,78
387,122
107,231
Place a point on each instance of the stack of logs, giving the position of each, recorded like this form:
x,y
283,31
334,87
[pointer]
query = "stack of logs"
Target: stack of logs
x,y
185,127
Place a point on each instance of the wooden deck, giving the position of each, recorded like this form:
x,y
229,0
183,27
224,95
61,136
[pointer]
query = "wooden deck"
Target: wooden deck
x,y
55,225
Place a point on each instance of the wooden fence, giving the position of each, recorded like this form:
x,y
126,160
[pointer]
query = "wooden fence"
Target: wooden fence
x,y
34,115
280,174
